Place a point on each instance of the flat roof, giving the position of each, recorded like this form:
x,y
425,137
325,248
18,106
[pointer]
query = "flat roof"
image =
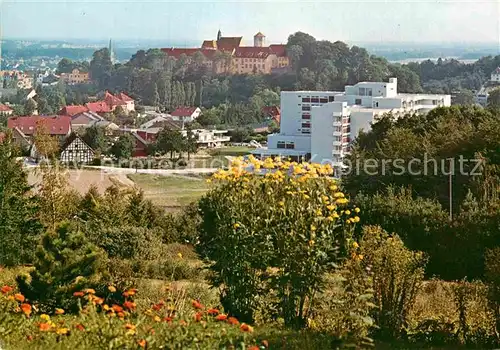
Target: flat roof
x,y
279,151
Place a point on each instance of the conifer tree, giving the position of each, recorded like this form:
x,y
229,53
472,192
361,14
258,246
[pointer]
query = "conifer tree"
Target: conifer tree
x,y
19,226
66,262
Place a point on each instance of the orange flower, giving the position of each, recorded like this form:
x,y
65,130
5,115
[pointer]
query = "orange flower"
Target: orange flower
x,y
221,317
197,305
129,305
44,327
6,289
233,321
130,292
78,294
120,314
98,300
253,347
183,323
80,327
142,343
26,309
112,289
129,326
156,307
59,311
246,328
89,291
117,308
198,316
19,297
213,312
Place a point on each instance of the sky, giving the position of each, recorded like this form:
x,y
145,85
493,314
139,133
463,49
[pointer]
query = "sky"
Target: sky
x,y
407,21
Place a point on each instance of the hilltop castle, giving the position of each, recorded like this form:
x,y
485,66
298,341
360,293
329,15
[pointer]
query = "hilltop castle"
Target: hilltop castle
x,y
226,55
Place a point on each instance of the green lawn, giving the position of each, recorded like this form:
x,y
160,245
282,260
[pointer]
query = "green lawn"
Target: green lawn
x,y
231,151
170,192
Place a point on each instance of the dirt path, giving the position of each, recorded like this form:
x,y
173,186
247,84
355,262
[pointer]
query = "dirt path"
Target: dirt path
x,y
82,180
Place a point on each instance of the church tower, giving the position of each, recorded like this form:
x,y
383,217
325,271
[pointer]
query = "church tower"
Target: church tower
x,y
111,53
258,39
219,35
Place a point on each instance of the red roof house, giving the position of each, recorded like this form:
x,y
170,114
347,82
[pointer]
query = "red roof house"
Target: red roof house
x,y
99,107
73,110
278,49
252,52
56,125
5,109
273,112
187,114
142,141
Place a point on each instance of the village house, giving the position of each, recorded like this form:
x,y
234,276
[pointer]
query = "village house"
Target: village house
x,y
25,128
76,151
75,77
186,114
273,113
5,110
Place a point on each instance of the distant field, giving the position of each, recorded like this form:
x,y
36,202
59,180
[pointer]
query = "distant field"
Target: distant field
x,y
170,192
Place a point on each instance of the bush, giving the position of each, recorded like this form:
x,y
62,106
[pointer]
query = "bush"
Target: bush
x,y
280,232
492,262
396,276
65,263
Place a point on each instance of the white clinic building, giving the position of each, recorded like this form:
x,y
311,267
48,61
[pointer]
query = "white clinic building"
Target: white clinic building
x,y
320,125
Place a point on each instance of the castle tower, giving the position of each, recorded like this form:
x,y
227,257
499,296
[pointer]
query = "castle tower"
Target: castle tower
x,y
219,35
258,39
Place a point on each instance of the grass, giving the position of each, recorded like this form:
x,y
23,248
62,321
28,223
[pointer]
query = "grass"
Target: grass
x,y
170,192
231,151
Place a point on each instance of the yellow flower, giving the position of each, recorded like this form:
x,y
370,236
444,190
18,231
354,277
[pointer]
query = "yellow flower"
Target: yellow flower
x,y
179,255
157,318
355,219
209,180
236,225
330,218
62,331
45,317
347,212
357,210
112,289
319,212
281,203
59,311
360,257
355,245
313,228
311,243
331,207
333,188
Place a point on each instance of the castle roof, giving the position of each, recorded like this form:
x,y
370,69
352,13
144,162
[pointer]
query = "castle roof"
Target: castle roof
x,y
259,35
252,52
229,43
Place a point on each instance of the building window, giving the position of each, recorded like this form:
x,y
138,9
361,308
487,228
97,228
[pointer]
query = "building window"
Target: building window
x,y
357,101
306,108
306,116
290,145
315,100
306,99
306,131
306,125
323,100
281,144
331,98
